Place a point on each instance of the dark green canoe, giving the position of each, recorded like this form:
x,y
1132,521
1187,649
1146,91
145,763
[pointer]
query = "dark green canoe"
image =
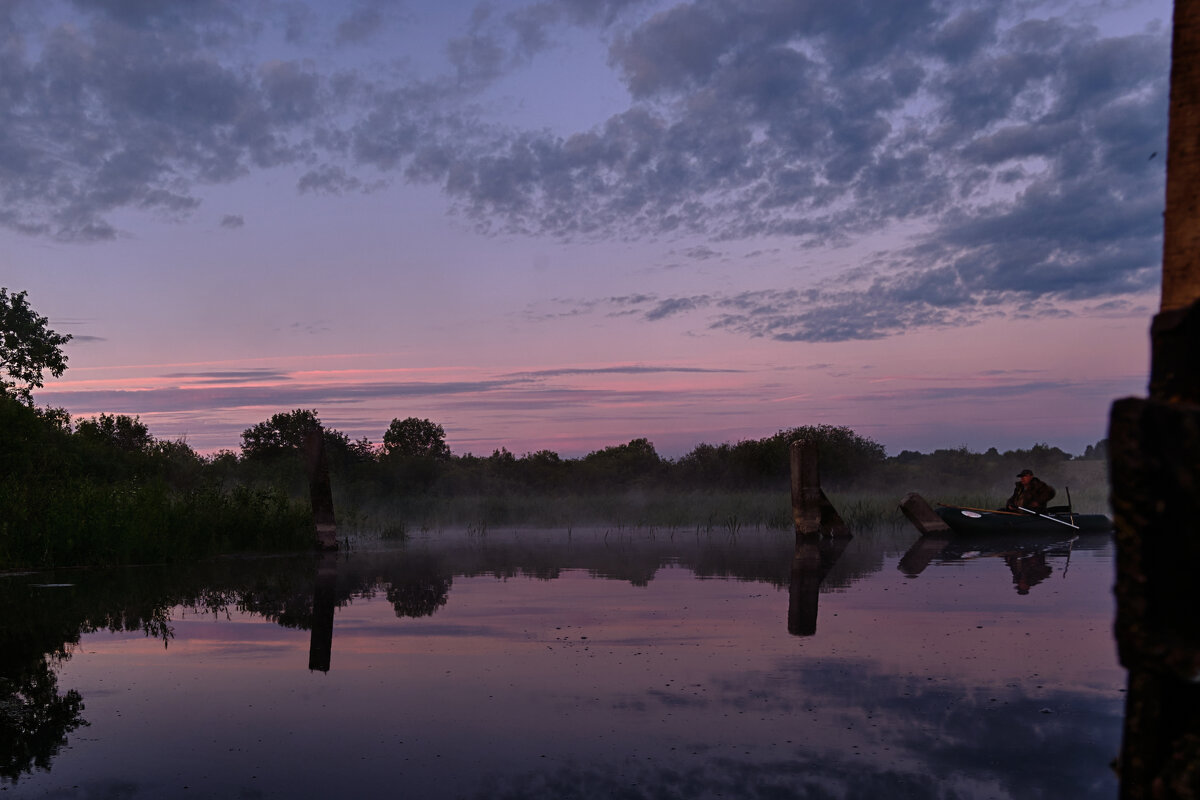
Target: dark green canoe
x,y
980,521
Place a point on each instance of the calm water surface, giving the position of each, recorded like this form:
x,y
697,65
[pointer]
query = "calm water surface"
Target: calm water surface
x,y
597,664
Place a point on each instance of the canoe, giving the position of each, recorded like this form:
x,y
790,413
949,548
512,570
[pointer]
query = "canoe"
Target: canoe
x,y
974,521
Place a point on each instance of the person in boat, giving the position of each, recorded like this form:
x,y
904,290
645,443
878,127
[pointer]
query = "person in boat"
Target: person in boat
x,y
1030,492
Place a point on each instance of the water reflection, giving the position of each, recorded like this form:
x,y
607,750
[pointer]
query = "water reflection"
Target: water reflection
x,y
1028,558
542,665
815,557
320,647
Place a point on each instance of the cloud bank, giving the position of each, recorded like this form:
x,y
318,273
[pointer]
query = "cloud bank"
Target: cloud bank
x,y
1010,144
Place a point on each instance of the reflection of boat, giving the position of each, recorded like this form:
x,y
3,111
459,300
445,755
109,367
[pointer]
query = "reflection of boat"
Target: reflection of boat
x,y
1057,521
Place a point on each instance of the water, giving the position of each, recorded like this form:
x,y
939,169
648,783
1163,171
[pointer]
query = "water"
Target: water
x,y
596,664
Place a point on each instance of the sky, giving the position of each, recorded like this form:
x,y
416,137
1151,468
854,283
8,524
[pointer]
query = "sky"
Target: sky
x,y
565,225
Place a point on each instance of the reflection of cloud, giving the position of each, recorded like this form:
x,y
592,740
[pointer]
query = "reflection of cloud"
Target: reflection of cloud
x,y
912,738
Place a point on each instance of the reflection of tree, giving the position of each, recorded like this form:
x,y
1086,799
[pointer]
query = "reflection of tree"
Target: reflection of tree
x,y
34,719
418,586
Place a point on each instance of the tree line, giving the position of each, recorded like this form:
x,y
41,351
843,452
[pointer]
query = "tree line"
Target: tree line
x,y
104,490
413,456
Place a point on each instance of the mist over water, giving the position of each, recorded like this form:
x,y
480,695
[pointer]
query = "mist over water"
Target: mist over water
x,y
583,663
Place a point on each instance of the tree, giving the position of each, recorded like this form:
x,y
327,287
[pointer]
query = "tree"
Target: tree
x,y
416,438
27,348
622,464
117,430
285,433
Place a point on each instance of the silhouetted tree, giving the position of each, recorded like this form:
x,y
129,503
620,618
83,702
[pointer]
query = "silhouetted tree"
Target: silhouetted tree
x,y
416,438
120,431
27,348
622,464
284,434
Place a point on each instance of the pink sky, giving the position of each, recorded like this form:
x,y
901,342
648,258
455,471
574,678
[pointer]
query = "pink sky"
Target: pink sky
x,y
551,227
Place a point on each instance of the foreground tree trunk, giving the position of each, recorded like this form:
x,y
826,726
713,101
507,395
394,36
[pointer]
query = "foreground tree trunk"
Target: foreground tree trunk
x,y
1181,233
1154,450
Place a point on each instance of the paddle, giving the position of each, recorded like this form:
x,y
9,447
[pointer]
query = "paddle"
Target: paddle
x,y
982,510
1046,516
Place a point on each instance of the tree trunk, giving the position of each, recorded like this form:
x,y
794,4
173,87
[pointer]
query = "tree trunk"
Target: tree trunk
x,y
1181,229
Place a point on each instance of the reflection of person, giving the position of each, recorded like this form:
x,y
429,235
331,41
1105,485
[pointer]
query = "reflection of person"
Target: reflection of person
x,y
1030,492
1028,569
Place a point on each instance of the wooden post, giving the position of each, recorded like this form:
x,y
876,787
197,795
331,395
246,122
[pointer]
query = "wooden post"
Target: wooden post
x,y
922,516
320,490
806,488
812,512
1154,467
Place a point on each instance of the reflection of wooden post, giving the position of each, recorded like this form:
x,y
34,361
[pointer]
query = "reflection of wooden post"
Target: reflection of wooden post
x,y
917,558
815,556
320,489
811,510
804,592
320,642
1154,452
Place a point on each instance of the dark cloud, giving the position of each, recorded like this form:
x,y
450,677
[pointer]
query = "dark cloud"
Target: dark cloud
x,y
209,392
676,305
359,25
130,106
637,369
1014,140
328,179
233,221
235,396
232,376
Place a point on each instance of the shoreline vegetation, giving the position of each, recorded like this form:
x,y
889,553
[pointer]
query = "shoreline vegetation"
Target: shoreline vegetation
x,y
103,491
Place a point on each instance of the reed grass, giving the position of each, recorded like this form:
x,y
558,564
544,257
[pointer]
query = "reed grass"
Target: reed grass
x,y
666,509
87,522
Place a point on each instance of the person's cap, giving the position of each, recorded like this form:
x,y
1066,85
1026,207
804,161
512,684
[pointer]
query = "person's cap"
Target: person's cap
x,y
1024,472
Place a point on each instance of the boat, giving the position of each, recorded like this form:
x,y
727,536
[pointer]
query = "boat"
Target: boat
x,y
961,520
1057,521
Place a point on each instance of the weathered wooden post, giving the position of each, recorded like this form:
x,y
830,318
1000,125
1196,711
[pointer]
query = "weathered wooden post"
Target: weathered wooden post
x,y
917,511
811,510
1154,453
806,488
320,489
